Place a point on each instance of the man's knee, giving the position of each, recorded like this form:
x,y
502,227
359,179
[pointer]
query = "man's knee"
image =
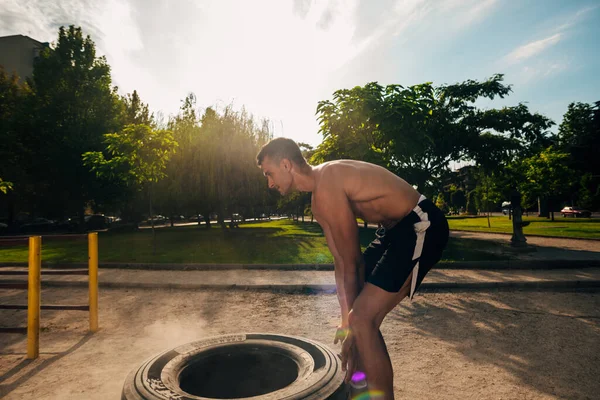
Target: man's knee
x,y
360,321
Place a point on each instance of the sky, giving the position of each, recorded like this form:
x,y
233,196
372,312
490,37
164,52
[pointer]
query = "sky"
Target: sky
x,y
279,58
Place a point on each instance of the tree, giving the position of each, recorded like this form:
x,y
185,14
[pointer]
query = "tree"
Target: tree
x,y
547,175
416,131
472,202
5,186
135,111
488,192
215,168
74,106
137,156
579,136
349,125
440,202
116,195
15,155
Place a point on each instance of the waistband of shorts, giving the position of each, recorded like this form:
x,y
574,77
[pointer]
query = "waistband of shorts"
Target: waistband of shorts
x,y
419,211
417,214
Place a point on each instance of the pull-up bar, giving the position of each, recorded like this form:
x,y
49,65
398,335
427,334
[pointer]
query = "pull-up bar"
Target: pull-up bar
x,y
33,287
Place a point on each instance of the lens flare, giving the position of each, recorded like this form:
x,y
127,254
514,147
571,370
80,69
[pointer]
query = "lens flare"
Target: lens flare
x,y
371,394
358,376
341,334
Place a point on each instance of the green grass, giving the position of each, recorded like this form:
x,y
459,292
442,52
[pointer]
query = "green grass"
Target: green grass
x,y
276,242
563,227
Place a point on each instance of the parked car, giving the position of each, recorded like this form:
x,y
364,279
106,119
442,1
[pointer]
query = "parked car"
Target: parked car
x,y
575,212
68,224
38,225
237,217
195,218
96,222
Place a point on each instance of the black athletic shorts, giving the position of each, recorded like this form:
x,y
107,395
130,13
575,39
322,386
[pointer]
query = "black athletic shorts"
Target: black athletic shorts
x,y
390,258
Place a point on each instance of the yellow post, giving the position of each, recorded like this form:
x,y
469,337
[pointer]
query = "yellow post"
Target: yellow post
x,y
33,297
93,279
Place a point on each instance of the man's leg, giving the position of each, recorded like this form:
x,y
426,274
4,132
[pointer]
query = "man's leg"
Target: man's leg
x,y
369,309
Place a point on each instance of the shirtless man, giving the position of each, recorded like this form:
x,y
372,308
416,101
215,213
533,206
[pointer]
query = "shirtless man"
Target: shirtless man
x,y
412,235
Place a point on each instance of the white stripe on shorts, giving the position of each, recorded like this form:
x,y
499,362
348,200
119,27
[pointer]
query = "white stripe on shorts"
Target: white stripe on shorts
x,y
420,228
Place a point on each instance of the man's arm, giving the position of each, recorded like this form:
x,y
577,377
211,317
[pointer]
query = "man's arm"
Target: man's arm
x,y
341,231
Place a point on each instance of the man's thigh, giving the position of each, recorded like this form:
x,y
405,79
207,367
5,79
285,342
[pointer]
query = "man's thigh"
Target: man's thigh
x,y
373,303
374,252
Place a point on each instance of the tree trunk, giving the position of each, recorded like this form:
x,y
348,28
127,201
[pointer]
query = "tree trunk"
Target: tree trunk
x,y
82,218
221,219
10,205
517,239
151,219
544,208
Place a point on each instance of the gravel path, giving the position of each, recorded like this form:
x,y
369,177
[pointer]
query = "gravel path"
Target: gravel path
x,y
443,346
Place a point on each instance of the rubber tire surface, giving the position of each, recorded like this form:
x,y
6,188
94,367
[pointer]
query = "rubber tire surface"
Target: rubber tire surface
x,y
320,374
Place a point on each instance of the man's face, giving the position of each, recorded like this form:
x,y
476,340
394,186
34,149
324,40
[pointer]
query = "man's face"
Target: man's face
x,y
278,174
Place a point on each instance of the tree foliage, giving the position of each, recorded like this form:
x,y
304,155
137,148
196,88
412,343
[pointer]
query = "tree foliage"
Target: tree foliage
x,y
136,156
215,169
579,137
75,105
69,141
416,131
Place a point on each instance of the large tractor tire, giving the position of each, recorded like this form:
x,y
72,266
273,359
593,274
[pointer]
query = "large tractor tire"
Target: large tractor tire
x,y
245,366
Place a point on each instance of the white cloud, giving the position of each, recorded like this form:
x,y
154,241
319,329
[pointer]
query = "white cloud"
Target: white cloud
x,y
532,69
528,74
445,17
558,34
555,68
577,17
533,48
477,12
262,55
277,58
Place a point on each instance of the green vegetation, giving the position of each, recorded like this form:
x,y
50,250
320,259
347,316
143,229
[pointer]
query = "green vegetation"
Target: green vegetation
x,y
276,242
561,227
108,154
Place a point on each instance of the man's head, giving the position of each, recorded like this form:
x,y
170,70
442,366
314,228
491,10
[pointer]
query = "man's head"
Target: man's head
x,y
281,160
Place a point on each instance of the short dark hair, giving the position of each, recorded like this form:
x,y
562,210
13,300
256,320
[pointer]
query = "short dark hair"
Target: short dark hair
x,y
280,148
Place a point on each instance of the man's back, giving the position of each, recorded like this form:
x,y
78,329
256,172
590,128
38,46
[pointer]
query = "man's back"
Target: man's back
x,y
375,194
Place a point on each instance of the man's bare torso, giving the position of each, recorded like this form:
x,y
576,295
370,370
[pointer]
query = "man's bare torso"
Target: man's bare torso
x,y
375,194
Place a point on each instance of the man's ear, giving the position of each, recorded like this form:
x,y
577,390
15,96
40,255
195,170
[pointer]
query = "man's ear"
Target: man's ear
x,y
286,164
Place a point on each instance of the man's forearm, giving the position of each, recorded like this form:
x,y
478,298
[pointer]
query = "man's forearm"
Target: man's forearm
x,y
341,293
349,283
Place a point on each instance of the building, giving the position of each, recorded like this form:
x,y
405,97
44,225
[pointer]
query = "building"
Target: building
x,y
17,54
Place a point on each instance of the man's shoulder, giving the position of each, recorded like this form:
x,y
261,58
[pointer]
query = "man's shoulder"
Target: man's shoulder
x,y
335,171
331,179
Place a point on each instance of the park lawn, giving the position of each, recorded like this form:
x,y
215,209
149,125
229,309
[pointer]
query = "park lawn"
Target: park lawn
x,y
585,228
275,242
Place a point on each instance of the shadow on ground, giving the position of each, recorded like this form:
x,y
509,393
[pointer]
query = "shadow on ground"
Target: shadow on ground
x,y
528,336
44,361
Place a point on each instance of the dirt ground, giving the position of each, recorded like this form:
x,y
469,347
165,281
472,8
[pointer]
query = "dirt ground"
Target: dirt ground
x,y
498,345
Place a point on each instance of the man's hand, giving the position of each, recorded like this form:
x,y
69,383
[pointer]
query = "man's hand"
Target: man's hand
x,y
340,334
349,357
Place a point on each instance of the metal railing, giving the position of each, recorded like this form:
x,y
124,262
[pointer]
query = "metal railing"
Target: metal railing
x,y
33,287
